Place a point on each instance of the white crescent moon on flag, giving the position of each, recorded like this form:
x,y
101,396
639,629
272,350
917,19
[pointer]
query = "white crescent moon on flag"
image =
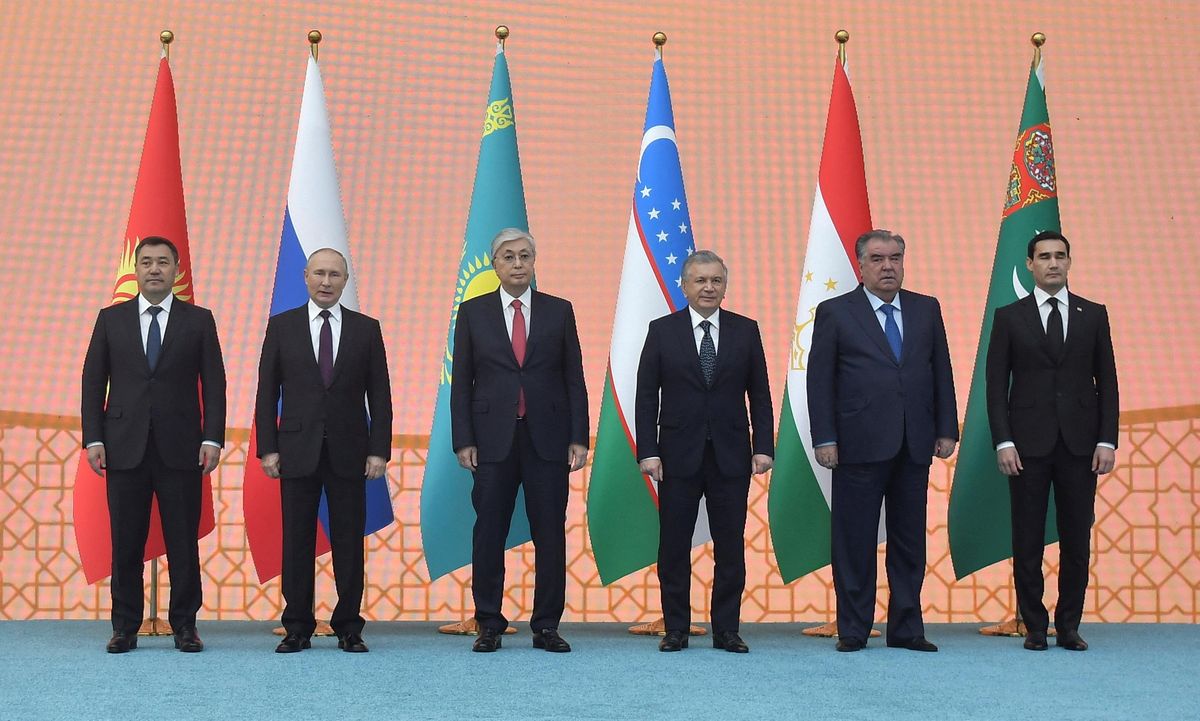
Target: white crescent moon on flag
x,y
658,132
1017,287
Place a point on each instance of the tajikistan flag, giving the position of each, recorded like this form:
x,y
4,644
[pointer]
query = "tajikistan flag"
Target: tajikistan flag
x,y
312,220
622,504
800,493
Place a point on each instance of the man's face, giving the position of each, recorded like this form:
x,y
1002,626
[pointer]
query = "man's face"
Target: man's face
x,y
882,266
326,277
514,264
1049,265
156,269
704,286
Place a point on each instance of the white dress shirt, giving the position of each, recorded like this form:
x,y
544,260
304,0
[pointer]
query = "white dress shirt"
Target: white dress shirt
x,y
877,303
315,321
715,331
144,317
506,303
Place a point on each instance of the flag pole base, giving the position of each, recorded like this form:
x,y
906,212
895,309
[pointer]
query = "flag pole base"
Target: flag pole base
x,y
468,627
1010,629
323,629
829,630
155,626
659,628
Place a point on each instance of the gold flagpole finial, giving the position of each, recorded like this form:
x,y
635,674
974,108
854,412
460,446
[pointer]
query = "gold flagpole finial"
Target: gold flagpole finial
x,y
166,37
1038,40
502,34
314,39
660,39
842,37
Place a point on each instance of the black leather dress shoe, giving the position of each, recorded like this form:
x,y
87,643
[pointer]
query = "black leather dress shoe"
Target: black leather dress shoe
x,y
549,640
293,643
121,642
1072,641
1036,641
188,641
352,643
673,641
730,641
920,643
488,641
849,645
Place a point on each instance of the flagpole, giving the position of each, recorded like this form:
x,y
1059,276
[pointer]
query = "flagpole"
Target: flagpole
x,y
153,625
1016,626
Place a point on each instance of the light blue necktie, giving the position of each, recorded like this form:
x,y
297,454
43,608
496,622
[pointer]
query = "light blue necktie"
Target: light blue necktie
x,y
891,329
154,337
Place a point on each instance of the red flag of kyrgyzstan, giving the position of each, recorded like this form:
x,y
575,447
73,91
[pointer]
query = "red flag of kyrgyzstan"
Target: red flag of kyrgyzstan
x,y
157,209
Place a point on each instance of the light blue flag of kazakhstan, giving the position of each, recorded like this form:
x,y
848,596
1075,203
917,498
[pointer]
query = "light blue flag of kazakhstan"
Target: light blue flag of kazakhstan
x,y
497,202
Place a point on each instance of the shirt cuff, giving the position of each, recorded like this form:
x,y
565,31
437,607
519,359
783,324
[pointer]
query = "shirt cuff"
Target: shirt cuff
x,y
826,443
214,444
93,444
1109,446
1006,444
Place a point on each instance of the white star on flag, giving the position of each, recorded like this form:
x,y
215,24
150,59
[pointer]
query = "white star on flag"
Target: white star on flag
x,y
646,191
672,258
662,236
683,228
675,204
653,213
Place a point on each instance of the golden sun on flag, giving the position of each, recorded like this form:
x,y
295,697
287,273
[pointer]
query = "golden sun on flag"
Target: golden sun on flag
x,y
125,288
476,278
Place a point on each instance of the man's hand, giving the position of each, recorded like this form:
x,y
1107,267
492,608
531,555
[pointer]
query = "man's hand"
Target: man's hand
x,y
468,457
827,456
270,464
375,467
943,447
1103,460
761,463
210,456
97,460
652,467
577,456
1009,461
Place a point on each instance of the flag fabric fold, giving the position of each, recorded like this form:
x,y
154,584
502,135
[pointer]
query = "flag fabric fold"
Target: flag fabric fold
x,y
497,202
157,209
799,496
312,220
980,518
622,504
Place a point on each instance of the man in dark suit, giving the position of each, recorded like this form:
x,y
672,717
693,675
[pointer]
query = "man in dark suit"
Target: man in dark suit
x,y
881,405
324,359
1052,403
519,416
153,412
698,367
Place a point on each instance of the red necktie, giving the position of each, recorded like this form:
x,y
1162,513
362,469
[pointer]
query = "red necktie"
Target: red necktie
x,y
518,343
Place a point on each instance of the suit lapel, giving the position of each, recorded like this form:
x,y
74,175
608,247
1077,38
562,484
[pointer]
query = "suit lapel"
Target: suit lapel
x,y
493,312
861,309
132,323
536,330
349,334
1033,321
1078,316
175,325
301,330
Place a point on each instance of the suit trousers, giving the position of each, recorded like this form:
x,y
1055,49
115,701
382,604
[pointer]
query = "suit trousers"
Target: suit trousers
x,y
300,499
678,504
859,489
1074,486
130,495
494,496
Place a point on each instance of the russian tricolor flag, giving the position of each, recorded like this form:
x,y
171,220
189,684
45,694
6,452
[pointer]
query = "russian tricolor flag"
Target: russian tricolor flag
x,y
312,220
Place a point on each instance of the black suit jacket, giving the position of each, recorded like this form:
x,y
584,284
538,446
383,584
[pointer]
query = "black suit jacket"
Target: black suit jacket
x,y
862,398
1032,397
675,411
312,413
122,397
486,379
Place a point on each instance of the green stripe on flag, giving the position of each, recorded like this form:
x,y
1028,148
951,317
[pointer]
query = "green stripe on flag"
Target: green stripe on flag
x,y
799,517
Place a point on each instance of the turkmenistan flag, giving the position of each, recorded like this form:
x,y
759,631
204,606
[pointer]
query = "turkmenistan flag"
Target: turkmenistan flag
x,y
622,504
798,502
497,202
980,516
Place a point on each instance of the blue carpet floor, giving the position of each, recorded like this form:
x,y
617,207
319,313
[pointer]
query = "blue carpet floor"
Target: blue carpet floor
x,y
59,670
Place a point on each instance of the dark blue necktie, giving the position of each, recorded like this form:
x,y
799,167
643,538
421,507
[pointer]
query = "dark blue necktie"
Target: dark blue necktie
x,y
708,353
153,338
891,329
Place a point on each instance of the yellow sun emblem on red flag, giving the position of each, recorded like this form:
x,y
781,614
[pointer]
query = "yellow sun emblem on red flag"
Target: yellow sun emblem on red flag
x,y
125,288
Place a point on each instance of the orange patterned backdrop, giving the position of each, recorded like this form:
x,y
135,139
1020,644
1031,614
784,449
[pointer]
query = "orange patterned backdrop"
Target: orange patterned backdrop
x,y
939,89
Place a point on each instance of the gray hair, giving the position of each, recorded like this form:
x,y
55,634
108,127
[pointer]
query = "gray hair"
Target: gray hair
x,y
338,253
702,256
860,245
510,234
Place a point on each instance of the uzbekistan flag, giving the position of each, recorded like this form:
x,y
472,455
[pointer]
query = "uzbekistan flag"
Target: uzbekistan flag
x,y
622,504
798,501
497,202
312,220
157,209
